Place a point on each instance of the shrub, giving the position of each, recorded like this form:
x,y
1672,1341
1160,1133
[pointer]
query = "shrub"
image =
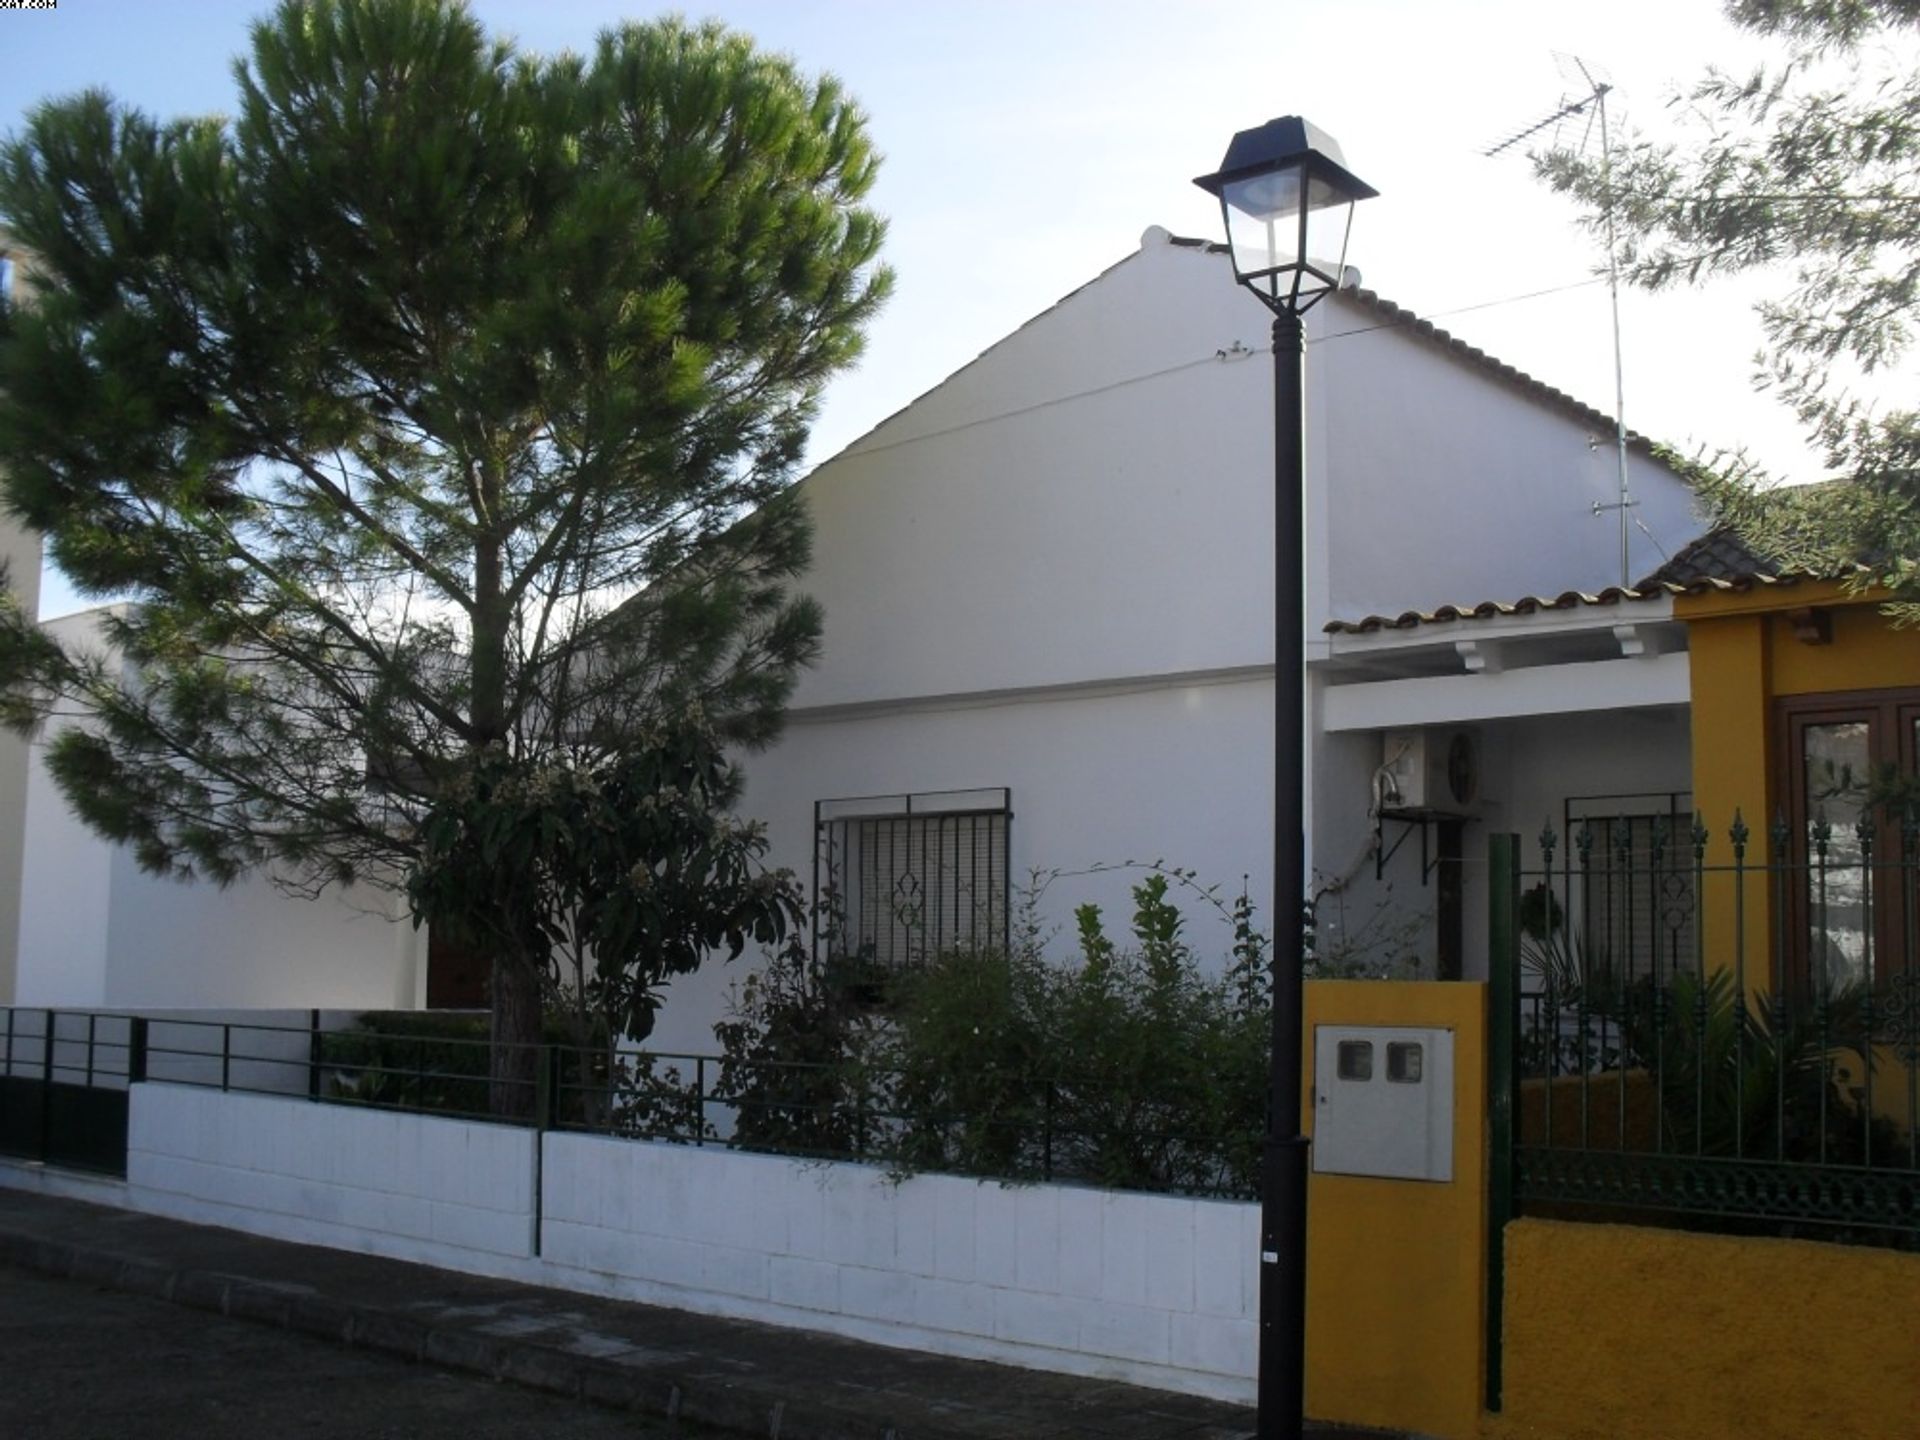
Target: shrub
x,y
415,1061
1129,1068
794,1058
970,1049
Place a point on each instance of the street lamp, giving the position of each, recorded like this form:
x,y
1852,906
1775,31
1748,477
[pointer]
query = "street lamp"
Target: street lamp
x,y
1288,203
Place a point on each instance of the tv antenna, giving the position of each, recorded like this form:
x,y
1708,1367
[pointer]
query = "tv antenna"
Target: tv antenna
x,y
1586,97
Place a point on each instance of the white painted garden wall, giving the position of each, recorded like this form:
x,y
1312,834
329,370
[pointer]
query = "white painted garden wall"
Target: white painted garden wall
x,y
443,1192
1157,1290
1152,1289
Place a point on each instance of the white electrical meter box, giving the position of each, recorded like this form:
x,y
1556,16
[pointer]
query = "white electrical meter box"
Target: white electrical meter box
x,y
1383,1101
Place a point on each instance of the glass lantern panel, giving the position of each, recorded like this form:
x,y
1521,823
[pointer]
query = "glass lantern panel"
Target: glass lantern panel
x,y
1329,218
1263,222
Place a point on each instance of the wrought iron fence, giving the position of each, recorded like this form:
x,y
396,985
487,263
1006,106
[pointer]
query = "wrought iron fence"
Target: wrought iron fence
x,y
1737,1046
1052,1123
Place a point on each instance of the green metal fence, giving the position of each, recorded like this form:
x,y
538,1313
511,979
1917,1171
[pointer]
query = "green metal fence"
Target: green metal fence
x,y
1056,1121
1728,1040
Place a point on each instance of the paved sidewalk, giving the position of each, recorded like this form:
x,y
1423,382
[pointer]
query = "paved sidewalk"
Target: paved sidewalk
x,y
757,1380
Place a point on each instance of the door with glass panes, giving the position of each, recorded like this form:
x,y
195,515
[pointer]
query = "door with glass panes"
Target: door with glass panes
x,y
1848,758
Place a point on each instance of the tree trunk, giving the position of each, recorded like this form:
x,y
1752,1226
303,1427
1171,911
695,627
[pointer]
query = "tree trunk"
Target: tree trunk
x,y
516,1036
517,1027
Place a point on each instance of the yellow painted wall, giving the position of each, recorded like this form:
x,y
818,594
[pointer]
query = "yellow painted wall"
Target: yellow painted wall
x,y
1731,662
1744,655
1616,1332
1396,1269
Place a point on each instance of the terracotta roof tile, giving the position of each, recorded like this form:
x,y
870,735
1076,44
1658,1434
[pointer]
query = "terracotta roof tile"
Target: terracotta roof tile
x,y
1495,609
1719,554
1715,561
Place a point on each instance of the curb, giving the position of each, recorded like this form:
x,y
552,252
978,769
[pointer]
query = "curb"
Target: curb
x,y
699,1400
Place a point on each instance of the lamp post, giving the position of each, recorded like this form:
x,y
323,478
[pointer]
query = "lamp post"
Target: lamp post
x,y
1288,200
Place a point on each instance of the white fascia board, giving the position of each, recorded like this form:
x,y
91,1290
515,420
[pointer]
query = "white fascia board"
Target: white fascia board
x,y
1634,684
1025,694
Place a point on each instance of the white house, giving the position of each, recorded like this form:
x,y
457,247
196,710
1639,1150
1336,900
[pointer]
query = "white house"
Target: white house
x,y
97,931
1048,588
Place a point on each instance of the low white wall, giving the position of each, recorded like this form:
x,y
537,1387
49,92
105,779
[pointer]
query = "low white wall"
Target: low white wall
x,y
445,1192
1151,1289
1155,1290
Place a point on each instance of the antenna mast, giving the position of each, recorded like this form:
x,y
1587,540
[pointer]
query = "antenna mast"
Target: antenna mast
x,y
1597,90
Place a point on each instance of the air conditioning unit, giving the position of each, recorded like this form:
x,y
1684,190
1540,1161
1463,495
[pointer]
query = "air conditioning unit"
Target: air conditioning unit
x,y
1428,770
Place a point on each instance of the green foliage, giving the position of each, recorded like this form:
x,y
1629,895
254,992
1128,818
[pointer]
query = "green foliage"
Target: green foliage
x,y
631,871
795,1056
1750,1078
1162,1078
1129,1069
438,411
970,1052
1813,161
1733,1076
414,1061
655,1101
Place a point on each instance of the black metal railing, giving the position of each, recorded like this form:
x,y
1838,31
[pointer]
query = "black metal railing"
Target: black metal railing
x,y
1737,1047
1046,1124
1051,1124
63,1087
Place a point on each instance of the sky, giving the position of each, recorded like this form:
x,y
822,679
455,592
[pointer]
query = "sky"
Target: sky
x,y
1028,144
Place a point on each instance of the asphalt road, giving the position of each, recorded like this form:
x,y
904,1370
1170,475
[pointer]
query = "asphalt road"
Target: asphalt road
x,y
78,1363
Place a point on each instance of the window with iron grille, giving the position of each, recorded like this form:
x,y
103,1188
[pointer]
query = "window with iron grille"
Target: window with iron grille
x,y
903,877
1633,895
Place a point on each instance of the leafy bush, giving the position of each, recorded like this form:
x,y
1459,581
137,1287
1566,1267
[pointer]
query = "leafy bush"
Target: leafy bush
x,y
1782,1081
415,1061
654,1101
1129,1069
1778,1078
1162,1072
970,1052
436,1061
794,1058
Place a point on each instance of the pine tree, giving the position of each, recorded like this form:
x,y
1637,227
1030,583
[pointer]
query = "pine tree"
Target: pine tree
x,y
438,410
1812,162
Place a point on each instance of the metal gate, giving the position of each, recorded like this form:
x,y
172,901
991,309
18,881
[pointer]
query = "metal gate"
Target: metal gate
x,y
63,1087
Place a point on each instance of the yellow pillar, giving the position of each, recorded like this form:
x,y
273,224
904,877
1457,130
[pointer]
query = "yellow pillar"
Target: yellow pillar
x,y
1397,1269
1731,662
